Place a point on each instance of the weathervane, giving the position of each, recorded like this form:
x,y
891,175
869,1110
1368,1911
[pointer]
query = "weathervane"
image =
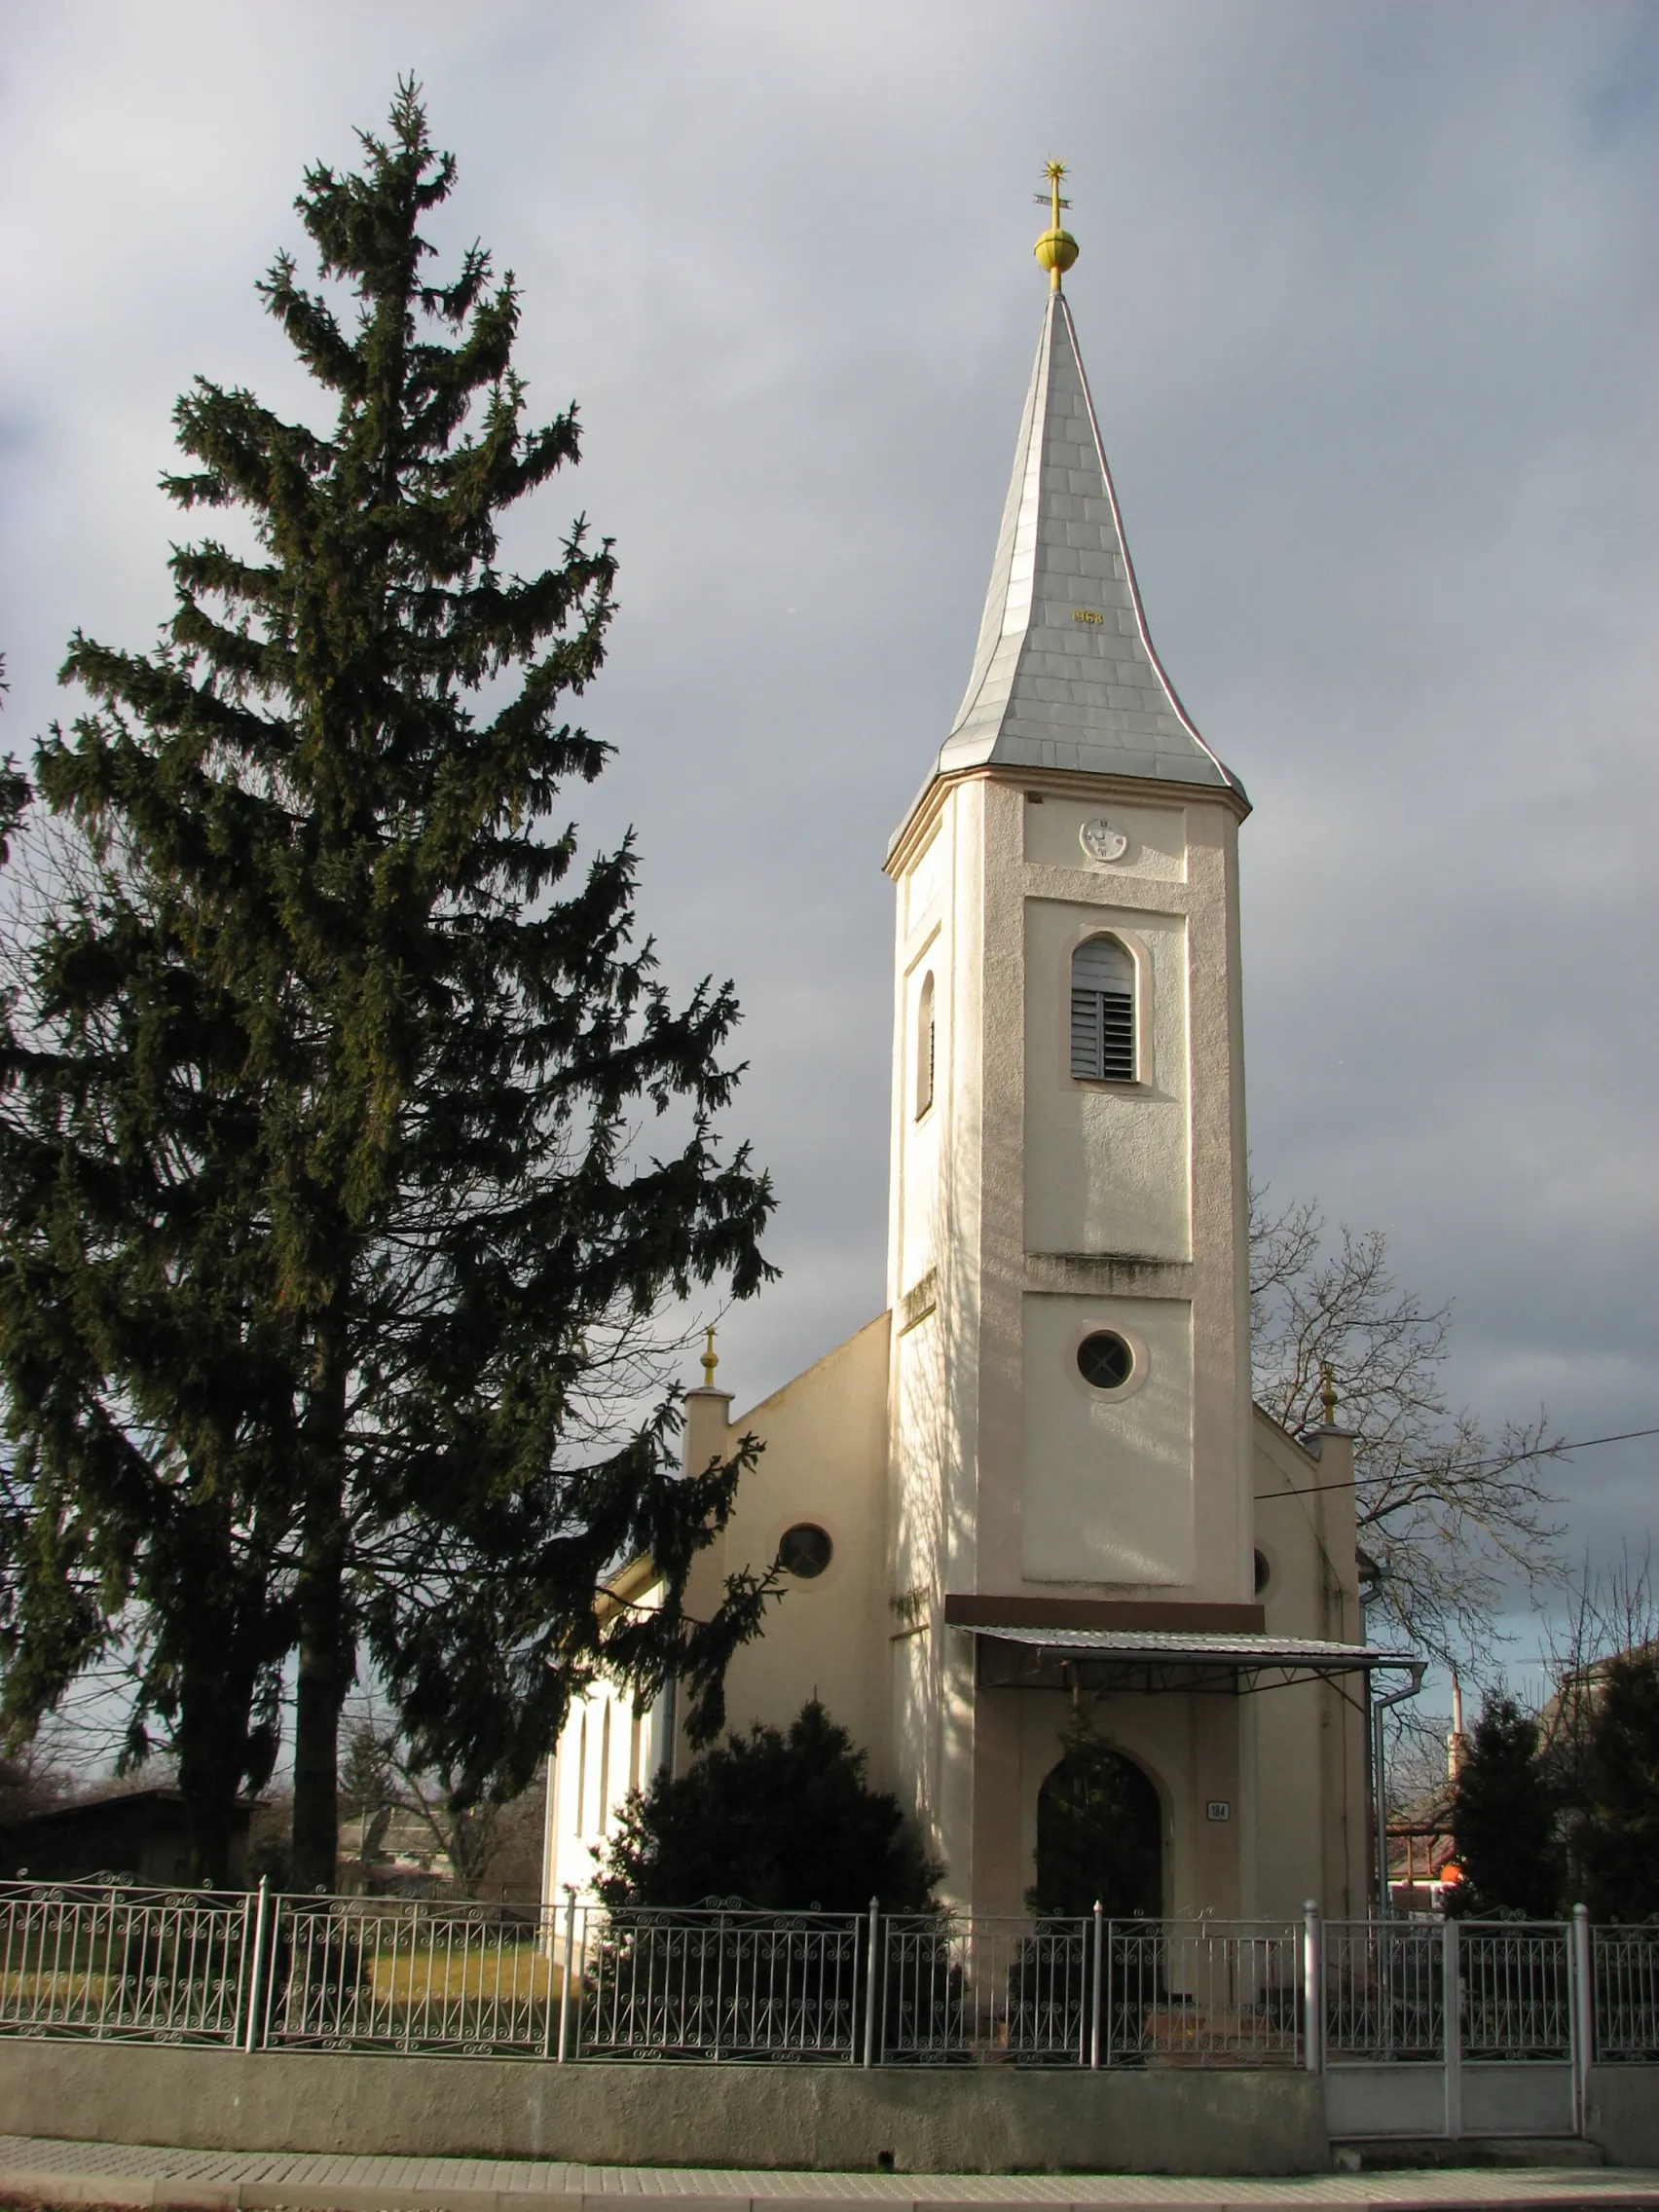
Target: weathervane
x,y
1055,249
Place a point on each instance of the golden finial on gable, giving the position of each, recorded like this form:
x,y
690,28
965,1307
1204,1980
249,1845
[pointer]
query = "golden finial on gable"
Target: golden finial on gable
x,y
711,1358
1056,249
1328,1393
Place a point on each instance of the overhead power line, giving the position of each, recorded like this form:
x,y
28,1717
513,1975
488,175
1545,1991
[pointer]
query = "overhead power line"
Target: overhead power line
x,y
1543,1451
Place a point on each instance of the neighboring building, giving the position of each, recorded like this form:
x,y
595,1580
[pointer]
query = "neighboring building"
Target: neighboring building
x,y
138,1835
393,1853
1038,1475
493,1852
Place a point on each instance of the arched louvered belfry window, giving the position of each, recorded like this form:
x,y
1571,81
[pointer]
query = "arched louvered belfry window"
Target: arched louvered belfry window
x,y
1103,1012
926,1044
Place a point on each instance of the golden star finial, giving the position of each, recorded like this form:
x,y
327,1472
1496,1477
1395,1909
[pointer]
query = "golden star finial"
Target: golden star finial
x,y
1055,249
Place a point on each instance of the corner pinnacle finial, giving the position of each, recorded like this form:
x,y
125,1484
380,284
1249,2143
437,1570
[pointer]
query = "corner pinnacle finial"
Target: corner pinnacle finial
x,y
711,1358
1055,249
1328,1393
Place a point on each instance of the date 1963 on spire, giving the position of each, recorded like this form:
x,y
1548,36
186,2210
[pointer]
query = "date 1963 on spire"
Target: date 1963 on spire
x,y
1055,249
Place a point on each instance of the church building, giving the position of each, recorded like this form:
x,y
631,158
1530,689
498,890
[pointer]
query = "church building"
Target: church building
x,y
1037,1483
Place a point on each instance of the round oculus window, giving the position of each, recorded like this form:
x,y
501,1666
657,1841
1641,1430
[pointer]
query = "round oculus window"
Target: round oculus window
x,y
1264,1572
1104,1360
805,1550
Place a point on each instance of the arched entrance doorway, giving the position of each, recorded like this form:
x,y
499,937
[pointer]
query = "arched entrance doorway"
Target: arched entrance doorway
x,y
1100,1835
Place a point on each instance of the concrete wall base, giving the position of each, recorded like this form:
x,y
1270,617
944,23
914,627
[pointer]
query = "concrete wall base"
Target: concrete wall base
x,y
1623,2114
836,2118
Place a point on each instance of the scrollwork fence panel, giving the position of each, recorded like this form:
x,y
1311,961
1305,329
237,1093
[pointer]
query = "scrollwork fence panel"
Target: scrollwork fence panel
x,y
718,1984
1627,1994
153,1966
353,1974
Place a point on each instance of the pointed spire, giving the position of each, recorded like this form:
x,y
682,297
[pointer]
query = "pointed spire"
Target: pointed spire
x,y
1065,675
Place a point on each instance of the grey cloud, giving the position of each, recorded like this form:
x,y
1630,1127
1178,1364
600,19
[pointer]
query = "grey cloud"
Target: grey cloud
x,y
1368,306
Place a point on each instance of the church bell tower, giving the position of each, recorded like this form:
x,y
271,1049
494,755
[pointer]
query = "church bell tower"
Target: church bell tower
x,y
1069,1435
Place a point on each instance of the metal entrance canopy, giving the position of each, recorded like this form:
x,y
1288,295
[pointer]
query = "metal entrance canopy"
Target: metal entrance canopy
x,y
1230,1661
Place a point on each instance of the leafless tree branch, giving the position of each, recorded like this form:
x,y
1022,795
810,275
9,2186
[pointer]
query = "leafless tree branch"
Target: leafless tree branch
x,y
1452,1515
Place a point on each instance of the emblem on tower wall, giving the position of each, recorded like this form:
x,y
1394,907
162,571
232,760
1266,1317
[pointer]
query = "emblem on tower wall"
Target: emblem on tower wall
x,y
1103,840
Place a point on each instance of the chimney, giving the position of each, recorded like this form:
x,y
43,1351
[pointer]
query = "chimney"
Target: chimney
x,y
1456,1744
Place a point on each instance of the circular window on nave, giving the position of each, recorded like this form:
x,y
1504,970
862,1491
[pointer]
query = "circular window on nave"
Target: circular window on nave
x,y
805,1550
1104,1360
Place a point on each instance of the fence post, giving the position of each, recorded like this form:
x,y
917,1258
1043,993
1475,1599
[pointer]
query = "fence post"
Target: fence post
x,y
256,1968
570,1965
1095,2023
870,1964
1452,2026
1312,1990
109,1952
544,1938
1581,1982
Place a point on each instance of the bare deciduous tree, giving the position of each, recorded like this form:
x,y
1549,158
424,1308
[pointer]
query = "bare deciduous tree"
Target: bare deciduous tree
x,y
1610,1613
1452,1515
380,1770
1417,1763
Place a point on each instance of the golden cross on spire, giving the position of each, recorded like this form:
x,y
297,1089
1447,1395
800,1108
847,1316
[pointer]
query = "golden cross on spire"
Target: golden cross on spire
x,y
1055,249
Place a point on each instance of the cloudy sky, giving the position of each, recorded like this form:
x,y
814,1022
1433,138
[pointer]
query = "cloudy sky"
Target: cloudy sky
x,y
1367,299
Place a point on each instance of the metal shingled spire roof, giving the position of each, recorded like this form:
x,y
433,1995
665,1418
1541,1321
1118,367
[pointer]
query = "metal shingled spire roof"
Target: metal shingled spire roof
x,y
1065,675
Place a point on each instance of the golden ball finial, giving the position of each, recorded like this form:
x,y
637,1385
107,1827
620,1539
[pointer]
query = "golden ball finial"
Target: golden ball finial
x,y
711,1358
1056,249
1328,1392
1055,252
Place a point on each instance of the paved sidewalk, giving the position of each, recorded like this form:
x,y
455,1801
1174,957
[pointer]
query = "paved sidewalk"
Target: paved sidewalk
x,y
39,2168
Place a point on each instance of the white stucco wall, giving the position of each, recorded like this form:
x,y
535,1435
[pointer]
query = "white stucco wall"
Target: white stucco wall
x,y
1157,836
824,1461
607,1749
1107,1165
1108,1492
1023,1186
1311,1836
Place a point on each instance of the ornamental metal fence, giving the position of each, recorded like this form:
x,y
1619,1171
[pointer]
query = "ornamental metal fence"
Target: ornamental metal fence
x,y
1385,1992
389,1974
728,1983
112,1963
1627,1993
584,1982
1516,1986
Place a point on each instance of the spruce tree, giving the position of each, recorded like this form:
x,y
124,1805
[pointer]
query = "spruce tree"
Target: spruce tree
x,y
1617,1829
331,1271
1507,1820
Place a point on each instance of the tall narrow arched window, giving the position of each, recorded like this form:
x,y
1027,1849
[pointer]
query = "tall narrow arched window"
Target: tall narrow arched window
x,y
1103,1012
927,1032
605,1769
581,1777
